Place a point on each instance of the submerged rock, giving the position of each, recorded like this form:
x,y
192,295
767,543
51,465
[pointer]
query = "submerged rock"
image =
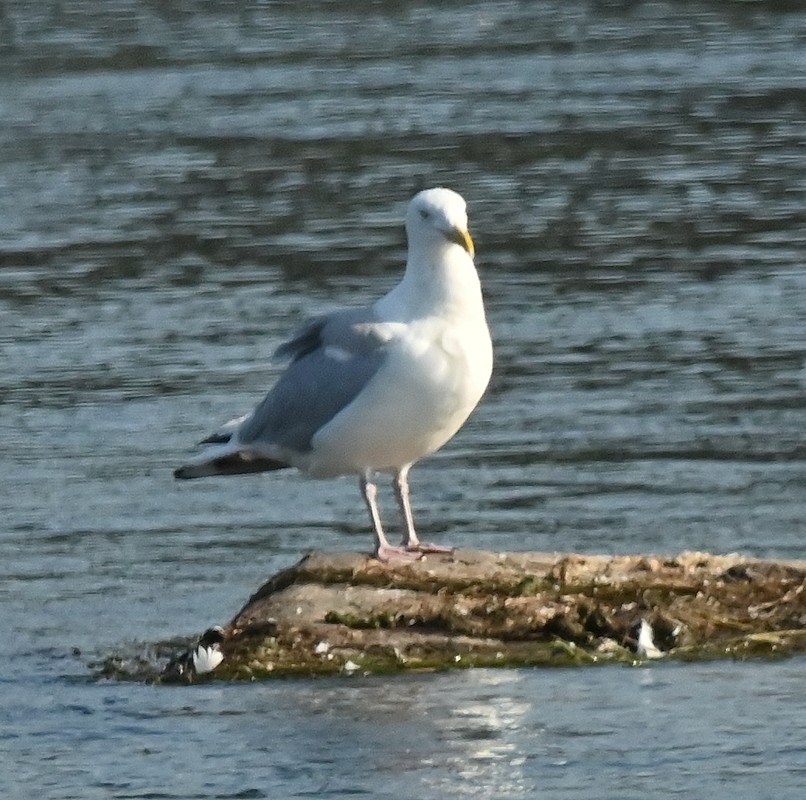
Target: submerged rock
x,y
347,613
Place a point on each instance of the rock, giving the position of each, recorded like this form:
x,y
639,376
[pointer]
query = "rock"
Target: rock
x,y
346,613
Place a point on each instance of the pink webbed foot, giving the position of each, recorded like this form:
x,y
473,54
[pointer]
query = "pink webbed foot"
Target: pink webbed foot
x,y
396,555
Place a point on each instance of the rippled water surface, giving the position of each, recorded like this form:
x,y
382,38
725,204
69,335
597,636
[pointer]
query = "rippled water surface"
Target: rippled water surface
x,y
181,183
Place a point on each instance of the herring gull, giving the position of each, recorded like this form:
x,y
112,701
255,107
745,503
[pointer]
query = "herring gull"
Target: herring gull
x,y
373,390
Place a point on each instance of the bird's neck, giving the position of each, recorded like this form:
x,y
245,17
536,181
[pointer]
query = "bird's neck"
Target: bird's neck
x,y
442,281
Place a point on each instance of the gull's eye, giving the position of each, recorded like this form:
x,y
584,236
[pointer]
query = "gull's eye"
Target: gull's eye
x,y
425,214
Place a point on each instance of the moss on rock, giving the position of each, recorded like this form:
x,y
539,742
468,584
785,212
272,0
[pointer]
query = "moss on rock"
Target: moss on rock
x,y
347,613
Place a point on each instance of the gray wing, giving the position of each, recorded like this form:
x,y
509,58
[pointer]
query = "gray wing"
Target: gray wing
x,y
333,358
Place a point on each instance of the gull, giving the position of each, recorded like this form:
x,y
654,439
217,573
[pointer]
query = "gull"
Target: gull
x,y
375,389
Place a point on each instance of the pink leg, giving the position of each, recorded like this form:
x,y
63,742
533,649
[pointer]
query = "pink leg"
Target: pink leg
x,y
410,540
383,551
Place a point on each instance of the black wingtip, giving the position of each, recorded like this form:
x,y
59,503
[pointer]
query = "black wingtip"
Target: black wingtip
x,y
217,438
231,464
190,471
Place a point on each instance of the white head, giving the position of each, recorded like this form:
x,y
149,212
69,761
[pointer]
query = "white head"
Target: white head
x,y
440,276
437,219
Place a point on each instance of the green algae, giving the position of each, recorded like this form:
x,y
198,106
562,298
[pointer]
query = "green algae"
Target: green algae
x,y
345,614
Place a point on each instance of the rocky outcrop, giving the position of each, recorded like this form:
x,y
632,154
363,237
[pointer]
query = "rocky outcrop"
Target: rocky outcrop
x,y
346,613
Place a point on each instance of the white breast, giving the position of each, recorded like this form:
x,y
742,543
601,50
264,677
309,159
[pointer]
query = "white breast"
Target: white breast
x,y
433,378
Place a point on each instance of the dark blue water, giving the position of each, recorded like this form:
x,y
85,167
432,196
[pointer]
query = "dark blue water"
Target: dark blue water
x,y
723,730
182,183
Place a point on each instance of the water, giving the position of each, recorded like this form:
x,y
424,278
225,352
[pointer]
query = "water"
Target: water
x,y
180,184
559,734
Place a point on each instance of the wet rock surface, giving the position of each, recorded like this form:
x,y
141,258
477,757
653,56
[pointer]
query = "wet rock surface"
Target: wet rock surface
x,y
347,613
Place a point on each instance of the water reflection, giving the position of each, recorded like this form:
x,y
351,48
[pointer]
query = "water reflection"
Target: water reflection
x,y
487,733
